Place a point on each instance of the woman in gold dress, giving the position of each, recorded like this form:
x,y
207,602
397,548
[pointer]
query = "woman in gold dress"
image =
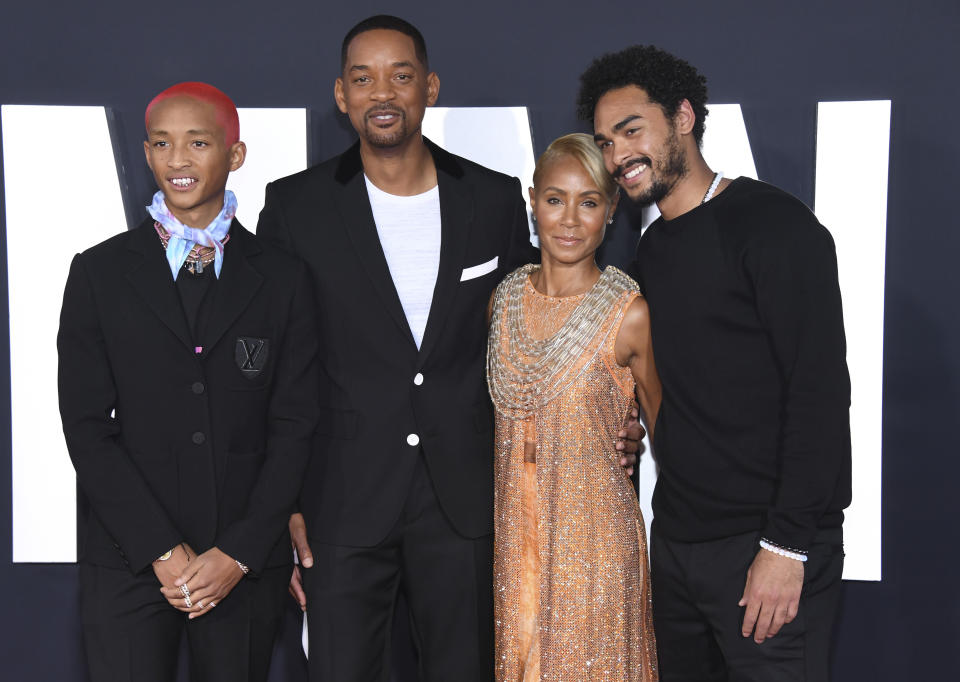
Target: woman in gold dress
x,y
568,346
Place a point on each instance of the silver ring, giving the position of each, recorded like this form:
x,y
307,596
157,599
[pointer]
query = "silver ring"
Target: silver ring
x,y
185,591
200,604
187,601
212,604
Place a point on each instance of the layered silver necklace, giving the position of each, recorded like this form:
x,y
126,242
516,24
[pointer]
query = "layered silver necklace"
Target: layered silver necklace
x,y
524,374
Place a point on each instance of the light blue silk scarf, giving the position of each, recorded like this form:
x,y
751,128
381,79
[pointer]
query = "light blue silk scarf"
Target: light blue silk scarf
x,y
183,238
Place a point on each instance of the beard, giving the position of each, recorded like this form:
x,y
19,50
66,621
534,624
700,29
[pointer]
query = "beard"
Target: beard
x,y
378,138
664,174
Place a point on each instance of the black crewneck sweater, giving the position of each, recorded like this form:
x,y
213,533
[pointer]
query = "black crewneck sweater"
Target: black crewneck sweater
x,y
754,433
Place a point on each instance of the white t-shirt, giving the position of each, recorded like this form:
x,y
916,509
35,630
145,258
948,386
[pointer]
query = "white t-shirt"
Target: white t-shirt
x,y
409,230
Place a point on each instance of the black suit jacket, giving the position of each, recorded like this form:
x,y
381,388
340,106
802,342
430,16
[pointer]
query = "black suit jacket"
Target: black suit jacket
x,y
374,415
198,449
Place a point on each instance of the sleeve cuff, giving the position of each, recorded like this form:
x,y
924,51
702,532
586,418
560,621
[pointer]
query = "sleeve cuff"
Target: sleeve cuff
x,y
789,532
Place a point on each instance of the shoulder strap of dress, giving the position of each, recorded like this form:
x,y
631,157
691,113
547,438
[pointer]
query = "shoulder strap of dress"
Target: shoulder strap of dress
x,y
619,280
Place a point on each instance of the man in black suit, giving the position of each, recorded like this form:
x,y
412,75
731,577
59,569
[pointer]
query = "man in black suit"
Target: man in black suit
x,y
188,395
405,243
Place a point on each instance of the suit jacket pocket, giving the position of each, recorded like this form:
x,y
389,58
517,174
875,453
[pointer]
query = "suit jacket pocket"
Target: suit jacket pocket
x,y
338,423
253,360
480,270
257,383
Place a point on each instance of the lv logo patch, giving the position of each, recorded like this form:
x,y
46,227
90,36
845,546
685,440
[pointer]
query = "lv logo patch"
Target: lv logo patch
x,y
251,355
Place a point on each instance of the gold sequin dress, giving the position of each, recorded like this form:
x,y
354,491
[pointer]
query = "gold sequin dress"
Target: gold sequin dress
x,y
571,583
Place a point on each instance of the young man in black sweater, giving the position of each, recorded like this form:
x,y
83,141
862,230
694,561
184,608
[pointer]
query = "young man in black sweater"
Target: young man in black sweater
x,y
753,439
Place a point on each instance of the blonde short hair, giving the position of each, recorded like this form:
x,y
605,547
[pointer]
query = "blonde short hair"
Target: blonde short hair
x,y
581,147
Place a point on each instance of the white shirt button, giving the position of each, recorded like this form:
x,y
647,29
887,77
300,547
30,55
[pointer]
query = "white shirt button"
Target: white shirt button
x,y
413,439
418,379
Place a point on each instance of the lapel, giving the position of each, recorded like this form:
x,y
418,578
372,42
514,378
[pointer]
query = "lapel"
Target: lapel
x,y
238,284
354,206
151,278
456,215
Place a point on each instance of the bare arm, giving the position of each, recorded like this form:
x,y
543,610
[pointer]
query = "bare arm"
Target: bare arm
x,y
634,349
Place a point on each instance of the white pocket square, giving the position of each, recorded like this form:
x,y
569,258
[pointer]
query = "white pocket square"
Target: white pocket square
x,y
479,270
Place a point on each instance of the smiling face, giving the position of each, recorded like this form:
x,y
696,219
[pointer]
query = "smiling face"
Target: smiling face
x,y
640,144
190,160
570,210
384,88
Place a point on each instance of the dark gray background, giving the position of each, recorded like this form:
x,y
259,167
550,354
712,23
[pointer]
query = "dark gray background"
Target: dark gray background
x,y
777,60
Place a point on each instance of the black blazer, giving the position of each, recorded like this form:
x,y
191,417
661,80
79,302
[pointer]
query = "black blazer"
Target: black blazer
x,y
382,399
203,448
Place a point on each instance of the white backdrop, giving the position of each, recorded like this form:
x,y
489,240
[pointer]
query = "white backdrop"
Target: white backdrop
x,y
44,500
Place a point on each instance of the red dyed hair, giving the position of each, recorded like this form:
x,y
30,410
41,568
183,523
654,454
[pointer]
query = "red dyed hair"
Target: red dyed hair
x,y
226,110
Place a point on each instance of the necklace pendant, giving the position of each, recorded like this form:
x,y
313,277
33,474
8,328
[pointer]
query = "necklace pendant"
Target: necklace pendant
x,y
198,267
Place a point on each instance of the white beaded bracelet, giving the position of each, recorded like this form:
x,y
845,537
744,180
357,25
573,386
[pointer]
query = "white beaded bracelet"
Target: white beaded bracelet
x,y
777,549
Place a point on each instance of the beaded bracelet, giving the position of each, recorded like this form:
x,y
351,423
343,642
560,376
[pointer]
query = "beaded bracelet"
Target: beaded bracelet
x,y
242,567
795,554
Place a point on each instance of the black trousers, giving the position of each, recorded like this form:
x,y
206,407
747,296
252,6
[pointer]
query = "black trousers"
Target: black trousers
x,y
696,588
448,583
132,634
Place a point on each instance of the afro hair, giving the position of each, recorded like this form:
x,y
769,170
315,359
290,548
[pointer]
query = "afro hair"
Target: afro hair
x,y
666,79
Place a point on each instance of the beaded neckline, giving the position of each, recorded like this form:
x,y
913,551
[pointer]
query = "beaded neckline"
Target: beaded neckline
x,y
533,289
525,373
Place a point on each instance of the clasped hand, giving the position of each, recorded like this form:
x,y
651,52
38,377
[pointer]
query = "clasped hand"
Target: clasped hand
x,y
209,579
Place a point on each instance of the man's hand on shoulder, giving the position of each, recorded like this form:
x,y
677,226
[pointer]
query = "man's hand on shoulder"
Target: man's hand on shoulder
x,y
771,595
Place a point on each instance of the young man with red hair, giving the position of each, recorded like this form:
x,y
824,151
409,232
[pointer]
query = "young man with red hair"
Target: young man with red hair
x,y
188,396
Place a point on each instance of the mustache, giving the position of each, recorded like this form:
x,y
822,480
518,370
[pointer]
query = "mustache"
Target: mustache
x,y
627,165
382,109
